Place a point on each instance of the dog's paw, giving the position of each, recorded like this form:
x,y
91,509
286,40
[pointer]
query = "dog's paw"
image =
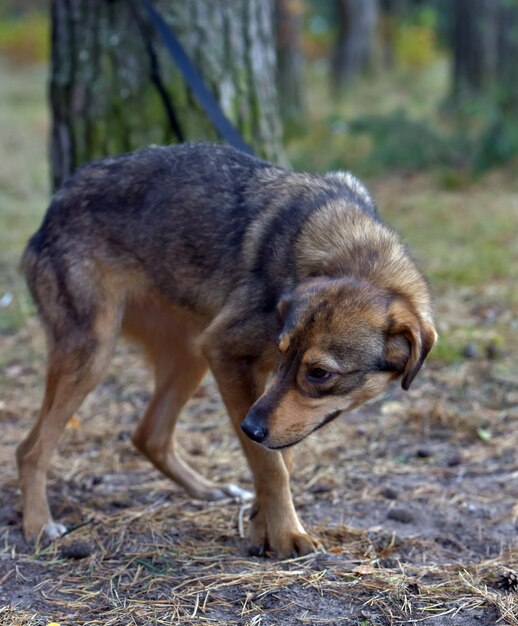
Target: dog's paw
x,y
223,492
238,493
279,539
287,547
38,531
53,530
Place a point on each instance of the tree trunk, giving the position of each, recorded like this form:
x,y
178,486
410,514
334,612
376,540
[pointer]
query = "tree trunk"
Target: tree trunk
x,y
114,88
507,54
485,68
390,12
356,28
485,48
474,45
290,60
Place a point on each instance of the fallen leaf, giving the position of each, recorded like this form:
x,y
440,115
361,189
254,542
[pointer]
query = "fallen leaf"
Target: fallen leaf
x,y
74,422
484,434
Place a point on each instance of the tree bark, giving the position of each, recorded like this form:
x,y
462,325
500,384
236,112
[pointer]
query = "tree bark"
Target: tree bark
x,y
356,28
485,49
474,45
507,53
290,60
390,12
114,88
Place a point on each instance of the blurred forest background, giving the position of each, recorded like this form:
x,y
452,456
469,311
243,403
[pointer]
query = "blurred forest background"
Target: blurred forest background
x,y
414,497
376,86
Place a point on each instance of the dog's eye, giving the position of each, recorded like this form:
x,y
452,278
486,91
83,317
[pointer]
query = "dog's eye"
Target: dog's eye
x,y
318,375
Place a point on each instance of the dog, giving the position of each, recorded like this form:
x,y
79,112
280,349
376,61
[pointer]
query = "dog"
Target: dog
x,y
287,286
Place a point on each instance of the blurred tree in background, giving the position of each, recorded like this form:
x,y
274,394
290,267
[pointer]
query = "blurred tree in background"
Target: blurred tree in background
x,y
290,59
357,22
114,88
372,85
485,45
474,45
485,67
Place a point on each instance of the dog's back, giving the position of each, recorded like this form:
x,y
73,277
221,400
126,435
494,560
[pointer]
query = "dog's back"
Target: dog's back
x,y
187,221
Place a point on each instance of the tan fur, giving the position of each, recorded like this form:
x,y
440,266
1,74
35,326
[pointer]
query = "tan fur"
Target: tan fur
x,y
329,243
317,357
371,387
297,416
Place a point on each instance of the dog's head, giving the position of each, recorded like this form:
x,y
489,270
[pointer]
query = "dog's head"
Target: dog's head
x,y
342,342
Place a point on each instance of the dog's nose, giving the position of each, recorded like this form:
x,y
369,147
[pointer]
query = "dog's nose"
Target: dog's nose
x,y
256,432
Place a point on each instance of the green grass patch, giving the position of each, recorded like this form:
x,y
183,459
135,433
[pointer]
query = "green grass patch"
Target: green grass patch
x,y
24,188
399,142
25,37
464,237
377,123
465,341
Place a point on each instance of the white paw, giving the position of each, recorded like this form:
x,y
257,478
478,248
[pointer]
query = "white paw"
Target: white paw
x,y
223,492
52,530
238,493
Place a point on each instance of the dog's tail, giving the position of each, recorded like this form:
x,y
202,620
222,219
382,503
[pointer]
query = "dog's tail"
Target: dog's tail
x,y
30,265
41,278
59,283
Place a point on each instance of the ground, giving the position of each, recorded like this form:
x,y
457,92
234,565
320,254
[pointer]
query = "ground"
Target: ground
x,y
414,497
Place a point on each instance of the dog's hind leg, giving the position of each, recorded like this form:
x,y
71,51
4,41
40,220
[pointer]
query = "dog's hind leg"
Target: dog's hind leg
x,y
76,362
169,339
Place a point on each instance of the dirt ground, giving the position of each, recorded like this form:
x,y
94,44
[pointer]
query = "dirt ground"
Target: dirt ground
x,y
414,498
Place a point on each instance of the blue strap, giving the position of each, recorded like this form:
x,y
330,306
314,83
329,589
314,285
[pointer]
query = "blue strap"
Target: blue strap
x,y
193,78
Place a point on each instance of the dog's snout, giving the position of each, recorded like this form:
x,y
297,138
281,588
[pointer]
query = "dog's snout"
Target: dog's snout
x,y
254,429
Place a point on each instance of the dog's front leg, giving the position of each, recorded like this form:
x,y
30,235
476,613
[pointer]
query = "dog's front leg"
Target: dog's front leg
x,y
274,524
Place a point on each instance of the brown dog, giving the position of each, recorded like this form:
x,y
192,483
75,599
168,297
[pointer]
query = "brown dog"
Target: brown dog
x,y
214,259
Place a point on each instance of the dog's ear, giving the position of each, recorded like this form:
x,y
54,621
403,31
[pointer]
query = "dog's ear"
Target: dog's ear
x,y
290,297
291,306
283,307
409,340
